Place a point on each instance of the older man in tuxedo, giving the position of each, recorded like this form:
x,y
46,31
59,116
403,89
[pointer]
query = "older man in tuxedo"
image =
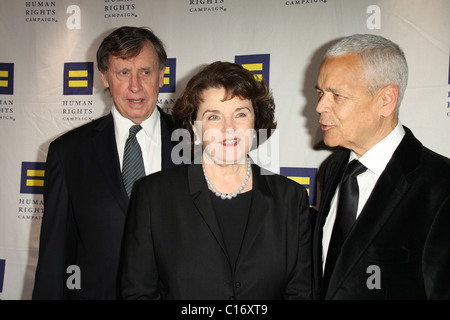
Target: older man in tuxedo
x,y
382,232
86,191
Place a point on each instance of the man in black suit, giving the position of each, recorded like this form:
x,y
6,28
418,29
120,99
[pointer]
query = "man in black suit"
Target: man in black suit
x,y
84,194
397,244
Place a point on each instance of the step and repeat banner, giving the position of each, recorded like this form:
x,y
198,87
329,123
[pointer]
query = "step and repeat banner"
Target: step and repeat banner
x,y
49,82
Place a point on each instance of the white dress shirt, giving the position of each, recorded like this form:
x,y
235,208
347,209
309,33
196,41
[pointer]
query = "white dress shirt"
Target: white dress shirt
x,y
149,139
375,160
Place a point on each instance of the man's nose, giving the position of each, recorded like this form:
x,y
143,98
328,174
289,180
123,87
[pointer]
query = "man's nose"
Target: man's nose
x,y
135,83
322,104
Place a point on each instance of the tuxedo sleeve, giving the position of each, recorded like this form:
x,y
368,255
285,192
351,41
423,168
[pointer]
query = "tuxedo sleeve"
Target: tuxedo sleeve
x,y
50,278
139,275
436,268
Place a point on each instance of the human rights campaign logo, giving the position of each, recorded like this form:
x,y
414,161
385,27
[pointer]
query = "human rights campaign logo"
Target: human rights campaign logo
x,y
169,76
2,273
32,178
304,176
78,78
6,78
258,64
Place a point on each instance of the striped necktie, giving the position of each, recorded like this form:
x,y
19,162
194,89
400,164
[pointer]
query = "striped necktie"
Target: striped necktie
x,y
133,165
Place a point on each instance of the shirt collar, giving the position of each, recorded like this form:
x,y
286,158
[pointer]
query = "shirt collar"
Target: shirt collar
x,y
377,158
150,125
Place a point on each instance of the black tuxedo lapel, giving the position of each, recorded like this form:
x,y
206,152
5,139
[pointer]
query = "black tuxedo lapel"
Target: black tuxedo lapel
x,y
166,139
105,144
201,197
333,176
261,204
389,190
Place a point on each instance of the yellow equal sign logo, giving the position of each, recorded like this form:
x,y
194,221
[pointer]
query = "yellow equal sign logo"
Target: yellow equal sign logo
x,y
305,176
254,67
169,80
32,177
258,64
305,181
4,74
78,74
31,173
78,78
167,72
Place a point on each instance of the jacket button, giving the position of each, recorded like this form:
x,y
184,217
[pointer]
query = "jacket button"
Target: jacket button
x,y
237,284
232,298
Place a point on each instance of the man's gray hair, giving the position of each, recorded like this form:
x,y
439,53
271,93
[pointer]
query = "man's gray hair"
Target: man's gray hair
x,y
383,60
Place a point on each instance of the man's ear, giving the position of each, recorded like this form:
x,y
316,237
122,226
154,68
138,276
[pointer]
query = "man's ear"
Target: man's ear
x,y
389,98
161,77
105,79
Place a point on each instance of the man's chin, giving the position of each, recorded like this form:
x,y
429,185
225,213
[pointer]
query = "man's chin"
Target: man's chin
x,y
330,142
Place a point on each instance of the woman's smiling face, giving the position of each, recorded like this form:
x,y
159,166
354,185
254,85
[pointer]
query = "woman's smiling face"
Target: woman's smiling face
x,y
226,126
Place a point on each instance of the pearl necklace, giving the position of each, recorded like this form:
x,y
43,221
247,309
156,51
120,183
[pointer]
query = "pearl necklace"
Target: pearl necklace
x,y
229,196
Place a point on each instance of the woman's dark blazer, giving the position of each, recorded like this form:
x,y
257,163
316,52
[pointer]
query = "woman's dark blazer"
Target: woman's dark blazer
x,y
173,247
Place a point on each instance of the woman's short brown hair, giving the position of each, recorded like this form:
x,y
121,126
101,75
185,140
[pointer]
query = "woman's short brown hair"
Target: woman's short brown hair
x,y
237,81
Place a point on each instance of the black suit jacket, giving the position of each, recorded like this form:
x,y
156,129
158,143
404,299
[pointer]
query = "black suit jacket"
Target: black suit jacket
x,y
173,248
404,230
85,207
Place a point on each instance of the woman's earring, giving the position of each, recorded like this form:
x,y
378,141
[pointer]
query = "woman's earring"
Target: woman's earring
x,y
254,141
196,141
